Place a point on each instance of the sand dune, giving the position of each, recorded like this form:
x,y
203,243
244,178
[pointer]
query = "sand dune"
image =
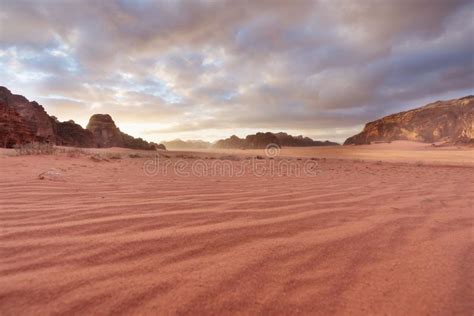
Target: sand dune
x,y
359,237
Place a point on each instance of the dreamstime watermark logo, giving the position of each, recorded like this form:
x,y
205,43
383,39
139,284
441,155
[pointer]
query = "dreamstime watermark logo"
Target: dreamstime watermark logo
x,y
232,166
272,150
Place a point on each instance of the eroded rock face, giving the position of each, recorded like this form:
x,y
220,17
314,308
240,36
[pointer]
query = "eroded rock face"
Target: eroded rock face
x,y
136,143
33,115
107,134
450,121
13,128
71,134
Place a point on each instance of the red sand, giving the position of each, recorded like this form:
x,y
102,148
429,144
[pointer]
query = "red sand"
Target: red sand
x,y
358,238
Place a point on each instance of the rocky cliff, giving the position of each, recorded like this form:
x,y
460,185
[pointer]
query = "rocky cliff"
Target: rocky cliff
x,y
71,134
107,134
33,114
13,128
450,121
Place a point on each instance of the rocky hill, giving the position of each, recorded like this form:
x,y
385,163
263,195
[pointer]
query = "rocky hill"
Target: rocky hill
x,y
71,134
450,121
262,140
107,134
22,121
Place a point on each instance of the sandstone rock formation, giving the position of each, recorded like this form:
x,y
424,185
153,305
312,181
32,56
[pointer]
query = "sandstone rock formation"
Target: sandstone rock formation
x,y
22,121
136,143
33,114
71,134
13,128
107,134
262,140
450,121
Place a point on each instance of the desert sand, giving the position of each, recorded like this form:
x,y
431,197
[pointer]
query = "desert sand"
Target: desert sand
x,y
379,229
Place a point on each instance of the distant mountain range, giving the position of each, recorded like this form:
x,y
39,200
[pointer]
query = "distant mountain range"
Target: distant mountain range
x,y
449,121
261,140
255,141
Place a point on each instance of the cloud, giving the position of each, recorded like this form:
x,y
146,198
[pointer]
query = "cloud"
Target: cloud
x,y
208,66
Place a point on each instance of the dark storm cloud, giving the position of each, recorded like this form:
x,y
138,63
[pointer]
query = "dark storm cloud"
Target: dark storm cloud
x,y
190,66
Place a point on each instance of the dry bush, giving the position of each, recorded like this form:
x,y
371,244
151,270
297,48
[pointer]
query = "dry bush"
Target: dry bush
x,y
35,149
114,156
135,156
97,158
75,152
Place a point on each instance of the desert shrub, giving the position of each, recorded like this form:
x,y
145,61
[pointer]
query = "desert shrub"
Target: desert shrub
x,y
114,156
35,149
75,152
97,158
134,156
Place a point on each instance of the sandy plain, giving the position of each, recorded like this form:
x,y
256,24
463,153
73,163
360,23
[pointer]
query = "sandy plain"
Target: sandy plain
x,y
379,229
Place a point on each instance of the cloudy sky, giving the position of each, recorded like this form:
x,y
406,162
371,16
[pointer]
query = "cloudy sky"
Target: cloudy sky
x,y
210,69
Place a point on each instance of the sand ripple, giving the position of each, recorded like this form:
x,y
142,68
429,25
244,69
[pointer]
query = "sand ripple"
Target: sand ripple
x,y
360,238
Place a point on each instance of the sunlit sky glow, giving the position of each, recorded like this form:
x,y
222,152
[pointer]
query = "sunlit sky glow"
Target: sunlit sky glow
x,y
210,69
